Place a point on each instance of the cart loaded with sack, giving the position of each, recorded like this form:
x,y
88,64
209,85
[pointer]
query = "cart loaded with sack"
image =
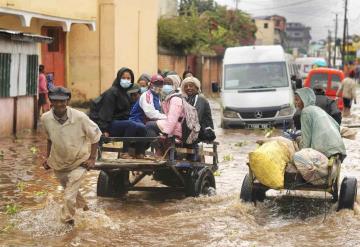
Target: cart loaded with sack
x,y
278,164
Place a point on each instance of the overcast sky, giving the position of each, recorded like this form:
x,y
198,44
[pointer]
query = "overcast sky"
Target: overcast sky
x,y
318,14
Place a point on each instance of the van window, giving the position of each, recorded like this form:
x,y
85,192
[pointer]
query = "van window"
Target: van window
x,y
335,82
256,75
319,78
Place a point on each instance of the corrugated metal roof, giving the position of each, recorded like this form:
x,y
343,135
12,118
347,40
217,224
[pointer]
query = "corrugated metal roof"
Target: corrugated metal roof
x,y
25,37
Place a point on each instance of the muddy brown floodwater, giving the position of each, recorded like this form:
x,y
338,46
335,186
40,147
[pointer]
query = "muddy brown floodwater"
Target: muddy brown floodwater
x,y
29,208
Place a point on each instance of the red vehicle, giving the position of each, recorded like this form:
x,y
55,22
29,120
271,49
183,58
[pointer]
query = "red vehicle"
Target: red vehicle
x,y
330,79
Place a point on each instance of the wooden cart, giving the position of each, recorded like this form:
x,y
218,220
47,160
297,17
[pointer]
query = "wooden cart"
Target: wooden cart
x,y
191,175
252,190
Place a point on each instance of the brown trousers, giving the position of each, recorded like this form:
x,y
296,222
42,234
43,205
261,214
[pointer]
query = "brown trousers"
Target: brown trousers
x,y
71,182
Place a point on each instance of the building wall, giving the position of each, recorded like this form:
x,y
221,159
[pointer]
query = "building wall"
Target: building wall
x,y
264,36
63,8
136,38
172,62
122,38
6,116
25,112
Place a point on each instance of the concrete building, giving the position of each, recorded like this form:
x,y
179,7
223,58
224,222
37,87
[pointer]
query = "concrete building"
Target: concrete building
x,y
270,30
92,39
18,80
298,36
168,8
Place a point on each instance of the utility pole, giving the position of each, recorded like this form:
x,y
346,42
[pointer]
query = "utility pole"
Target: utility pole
x,y
329,47
236,4
344,36
336,29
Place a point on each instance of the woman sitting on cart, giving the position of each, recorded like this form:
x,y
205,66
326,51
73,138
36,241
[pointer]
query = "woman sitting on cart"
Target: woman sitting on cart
x,y
174,111
190,87
148,107
113,115
319,130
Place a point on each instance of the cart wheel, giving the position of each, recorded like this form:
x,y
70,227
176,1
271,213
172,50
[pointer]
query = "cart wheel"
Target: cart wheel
x,y
112,184
200,182
246,193
348,192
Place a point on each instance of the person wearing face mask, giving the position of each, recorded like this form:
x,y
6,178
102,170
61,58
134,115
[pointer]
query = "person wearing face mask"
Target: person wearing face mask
x,y
172,106
190,87
176,80
143,82
114,112
148,107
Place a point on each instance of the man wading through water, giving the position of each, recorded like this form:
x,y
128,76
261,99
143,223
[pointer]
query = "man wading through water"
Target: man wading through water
x,y
69,132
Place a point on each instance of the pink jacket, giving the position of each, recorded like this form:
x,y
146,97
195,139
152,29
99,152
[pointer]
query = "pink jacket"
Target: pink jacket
x,y
42,83
173,109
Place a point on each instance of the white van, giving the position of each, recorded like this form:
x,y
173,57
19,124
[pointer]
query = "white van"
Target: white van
x,y
256,91
305,64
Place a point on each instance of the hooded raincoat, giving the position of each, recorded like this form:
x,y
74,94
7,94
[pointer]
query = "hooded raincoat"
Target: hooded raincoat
x,y
116,102
319,130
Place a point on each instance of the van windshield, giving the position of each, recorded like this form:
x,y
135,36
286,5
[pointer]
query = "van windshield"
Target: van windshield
x,y
256,75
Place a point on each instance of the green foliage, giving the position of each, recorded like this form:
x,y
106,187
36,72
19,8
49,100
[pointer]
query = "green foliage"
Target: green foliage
x,y
240,144
34,150
40,193
228,157
11,209
214,28
20,186
7,228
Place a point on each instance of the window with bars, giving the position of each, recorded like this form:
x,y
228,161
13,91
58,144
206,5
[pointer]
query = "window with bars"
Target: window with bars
x,y
31,74
5,64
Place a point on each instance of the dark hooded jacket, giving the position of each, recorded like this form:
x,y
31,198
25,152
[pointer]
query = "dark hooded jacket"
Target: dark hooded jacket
x,y
116,104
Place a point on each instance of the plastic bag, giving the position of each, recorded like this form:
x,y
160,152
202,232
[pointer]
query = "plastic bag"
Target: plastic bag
x,y
268,163
312,165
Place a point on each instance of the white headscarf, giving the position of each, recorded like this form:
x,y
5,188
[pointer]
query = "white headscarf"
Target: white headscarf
x,y
176,80
192,80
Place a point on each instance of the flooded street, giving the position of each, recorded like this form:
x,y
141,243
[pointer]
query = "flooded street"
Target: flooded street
x,y
28,196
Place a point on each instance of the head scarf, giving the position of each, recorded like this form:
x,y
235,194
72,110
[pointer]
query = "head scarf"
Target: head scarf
x,y
193,80
176,80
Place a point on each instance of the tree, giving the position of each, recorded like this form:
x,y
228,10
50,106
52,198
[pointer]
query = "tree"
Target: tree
x,y
210,32
186,6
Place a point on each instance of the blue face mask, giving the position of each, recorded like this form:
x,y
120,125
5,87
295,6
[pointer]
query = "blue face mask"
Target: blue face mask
x,y
143,89
124,83
167,89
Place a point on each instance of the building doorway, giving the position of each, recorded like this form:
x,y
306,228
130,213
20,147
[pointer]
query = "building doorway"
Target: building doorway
x,y
53,54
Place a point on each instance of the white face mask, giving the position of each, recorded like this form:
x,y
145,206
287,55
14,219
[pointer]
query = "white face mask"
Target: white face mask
x,y
167,89
124,83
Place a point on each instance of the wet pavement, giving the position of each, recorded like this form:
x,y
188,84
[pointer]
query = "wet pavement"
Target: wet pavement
x,y
29,208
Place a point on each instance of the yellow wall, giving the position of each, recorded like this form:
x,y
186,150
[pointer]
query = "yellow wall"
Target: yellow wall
x,y
74,9
126,35
136,35
264,36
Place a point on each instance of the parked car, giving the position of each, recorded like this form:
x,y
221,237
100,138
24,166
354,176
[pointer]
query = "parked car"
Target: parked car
x,y
330,80
257,91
